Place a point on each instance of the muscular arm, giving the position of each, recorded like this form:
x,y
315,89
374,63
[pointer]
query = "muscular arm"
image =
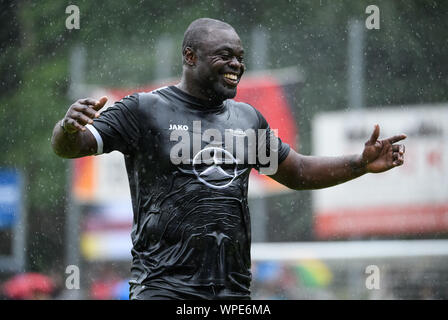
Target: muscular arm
x,y
75,140
311,172
74,145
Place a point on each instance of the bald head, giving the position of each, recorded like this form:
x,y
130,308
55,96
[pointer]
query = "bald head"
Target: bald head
x,y
212,57
199,30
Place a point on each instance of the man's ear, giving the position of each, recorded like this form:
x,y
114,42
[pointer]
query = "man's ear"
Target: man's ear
x,y
190,56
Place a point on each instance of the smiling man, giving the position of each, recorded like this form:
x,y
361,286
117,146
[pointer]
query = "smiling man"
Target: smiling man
x,y
213,56
191,228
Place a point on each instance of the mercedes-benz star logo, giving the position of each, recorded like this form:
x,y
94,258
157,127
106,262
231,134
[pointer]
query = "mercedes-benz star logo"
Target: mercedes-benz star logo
x,y
214,172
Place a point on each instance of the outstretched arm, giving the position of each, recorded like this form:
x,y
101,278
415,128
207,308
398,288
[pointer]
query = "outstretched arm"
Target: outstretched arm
x,y
312,172
72,140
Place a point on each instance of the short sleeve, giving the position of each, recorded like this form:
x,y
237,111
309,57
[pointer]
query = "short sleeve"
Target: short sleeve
x,y
117,128
268,147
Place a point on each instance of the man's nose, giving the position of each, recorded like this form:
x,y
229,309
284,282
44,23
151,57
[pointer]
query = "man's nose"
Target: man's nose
x,y
235,63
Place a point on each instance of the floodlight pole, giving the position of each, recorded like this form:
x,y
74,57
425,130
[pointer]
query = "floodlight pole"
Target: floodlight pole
x,y
165,50
356,36
73,208
259,54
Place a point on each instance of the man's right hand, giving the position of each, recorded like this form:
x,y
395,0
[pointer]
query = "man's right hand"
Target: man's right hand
x,y
81,113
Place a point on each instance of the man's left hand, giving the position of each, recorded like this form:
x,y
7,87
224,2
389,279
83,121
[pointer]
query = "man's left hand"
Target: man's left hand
x,y
382,155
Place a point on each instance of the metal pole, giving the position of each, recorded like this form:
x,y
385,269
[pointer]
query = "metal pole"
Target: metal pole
x,y
356,65
259,220
165,52
19,241
259,54
78,60
73,219
73,208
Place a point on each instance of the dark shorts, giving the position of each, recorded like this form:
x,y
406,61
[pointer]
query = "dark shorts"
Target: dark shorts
x,y
146,292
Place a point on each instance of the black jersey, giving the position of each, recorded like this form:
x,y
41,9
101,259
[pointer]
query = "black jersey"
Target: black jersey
x,y
191,226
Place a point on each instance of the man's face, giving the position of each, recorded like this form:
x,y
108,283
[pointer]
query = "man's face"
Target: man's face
x,y
219,64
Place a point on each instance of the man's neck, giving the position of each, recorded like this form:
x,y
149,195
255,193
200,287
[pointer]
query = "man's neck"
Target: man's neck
x,y
194,91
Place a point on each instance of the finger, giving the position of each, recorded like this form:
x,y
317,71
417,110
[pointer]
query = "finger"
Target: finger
x,y
375,134
100,104
88,101
398,148
72,123
396,138
88,111
82,118
399,161
397,156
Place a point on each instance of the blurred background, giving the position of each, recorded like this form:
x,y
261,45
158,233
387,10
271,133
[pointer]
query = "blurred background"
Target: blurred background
x,y
322,72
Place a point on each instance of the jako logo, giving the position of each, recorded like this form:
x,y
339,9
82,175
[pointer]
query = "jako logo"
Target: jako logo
x,y
178,127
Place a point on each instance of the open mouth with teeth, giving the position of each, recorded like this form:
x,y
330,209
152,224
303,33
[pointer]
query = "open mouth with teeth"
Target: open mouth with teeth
x,y
231,79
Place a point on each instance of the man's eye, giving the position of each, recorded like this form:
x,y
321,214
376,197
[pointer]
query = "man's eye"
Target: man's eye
x,y
240,59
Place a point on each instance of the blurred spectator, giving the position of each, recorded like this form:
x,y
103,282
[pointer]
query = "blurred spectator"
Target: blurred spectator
x,y
29,286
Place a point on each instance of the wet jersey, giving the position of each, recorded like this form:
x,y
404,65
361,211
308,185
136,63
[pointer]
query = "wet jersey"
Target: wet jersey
x,y
188,178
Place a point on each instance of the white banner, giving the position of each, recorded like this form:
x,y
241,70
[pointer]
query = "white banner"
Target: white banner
x,y
411,198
